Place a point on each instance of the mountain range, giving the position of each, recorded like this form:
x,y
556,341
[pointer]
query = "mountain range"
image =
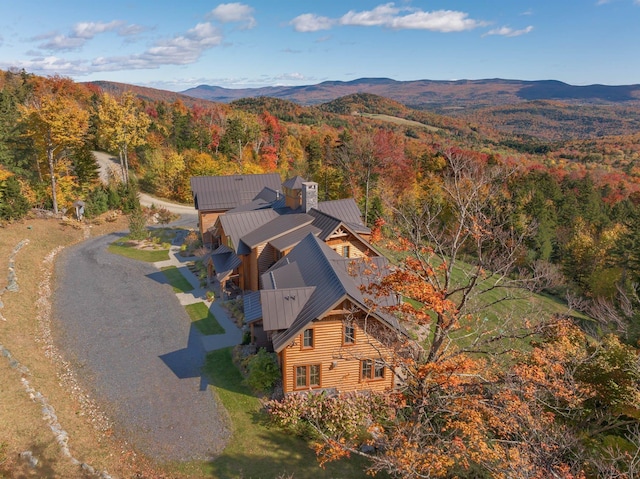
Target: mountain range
x,y
433,95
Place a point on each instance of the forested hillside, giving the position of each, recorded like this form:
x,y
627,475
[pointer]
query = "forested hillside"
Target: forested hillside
x,y
567,210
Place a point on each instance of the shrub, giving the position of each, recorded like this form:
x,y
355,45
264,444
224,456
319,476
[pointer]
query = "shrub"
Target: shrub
x,y
263,371
137,225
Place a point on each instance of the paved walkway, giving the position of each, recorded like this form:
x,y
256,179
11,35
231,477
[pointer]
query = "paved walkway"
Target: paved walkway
x,y
232,335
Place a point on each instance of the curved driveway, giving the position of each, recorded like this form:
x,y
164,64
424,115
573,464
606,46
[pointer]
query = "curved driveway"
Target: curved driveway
x,y
136,352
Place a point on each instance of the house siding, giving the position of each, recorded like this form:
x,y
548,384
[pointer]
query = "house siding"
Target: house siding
x,y
328,351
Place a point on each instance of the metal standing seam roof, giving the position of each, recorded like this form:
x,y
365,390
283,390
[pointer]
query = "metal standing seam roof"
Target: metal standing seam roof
x,y
237,225
224,261
346,210
292,238
277,227
319,266
227,192
280,307
294,183
251,306
285,276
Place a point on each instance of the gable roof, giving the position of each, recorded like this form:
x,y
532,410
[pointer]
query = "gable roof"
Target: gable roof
x,y
294,183
227,192
277,227
239,224
224,261
346,210
280,307
312,263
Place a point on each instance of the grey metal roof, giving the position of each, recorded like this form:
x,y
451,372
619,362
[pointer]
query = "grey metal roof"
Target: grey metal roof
x,y
319,266
276,228
287,275
294,183
224,261
280,307
294,237
346,210
239,224
251,306
327,223
227,192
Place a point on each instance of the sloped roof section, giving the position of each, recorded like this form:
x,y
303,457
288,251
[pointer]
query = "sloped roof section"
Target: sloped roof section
x,y
291,239
224,261
239,224
280,307
321,267
252,306
228,192
287,275
276,228
294,183
346,210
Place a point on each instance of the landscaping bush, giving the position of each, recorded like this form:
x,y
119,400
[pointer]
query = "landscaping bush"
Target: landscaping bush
x,y
263,371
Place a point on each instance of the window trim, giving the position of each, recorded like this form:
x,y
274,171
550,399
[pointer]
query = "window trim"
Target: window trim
x,y
372,370
307,376
347,248
344,334
313,339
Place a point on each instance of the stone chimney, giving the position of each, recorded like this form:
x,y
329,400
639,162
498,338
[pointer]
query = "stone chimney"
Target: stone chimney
x,y
309,196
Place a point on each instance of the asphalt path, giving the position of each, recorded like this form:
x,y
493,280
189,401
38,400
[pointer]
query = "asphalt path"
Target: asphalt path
x,y
135,350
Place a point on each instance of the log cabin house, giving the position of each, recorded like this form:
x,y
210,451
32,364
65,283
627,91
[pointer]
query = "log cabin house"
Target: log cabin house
x,y
328,334
299,264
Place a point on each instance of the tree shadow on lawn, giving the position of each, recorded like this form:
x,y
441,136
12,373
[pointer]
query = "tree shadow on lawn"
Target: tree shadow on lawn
x,y
187,362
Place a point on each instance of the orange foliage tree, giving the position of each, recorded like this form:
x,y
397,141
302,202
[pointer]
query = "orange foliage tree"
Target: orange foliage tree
x,y
56,122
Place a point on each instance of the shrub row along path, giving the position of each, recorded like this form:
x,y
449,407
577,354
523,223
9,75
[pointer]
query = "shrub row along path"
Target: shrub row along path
x,y
133,344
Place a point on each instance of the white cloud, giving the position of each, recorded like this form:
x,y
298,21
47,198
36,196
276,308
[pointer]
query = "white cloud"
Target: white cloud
x,y
390,16
83,32
179,50
234,13
310,22
509,32
91,29
49,65
380,16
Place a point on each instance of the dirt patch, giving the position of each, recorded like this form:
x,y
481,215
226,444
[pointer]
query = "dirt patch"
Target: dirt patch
x,y
48,426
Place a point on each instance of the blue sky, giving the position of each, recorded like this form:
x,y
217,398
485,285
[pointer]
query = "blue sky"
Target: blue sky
x,y
177,45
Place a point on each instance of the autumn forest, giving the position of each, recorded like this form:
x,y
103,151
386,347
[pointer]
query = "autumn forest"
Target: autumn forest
x,y
477,209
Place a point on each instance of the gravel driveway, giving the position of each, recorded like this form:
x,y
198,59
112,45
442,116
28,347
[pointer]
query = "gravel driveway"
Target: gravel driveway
x,y
133,347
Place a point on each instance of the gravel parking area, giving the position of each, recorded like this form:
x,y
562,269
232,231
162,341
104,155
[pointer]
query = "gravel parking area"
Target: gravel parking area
x,y
136,352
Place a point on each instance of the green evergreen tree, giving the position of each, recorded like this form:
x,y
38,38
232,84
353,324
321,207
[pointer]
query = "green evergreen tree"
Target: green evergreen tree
x,y
13,204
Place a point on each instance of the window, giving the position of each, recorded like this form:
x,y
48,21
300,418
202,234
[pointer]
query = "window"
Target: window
x,y
307,376
345,251
349,334
372,369
307,338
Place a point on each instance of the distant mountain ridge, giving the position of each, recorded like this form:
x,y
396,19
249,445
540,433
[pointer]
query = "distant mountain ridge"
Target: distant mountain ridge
x,y
432,94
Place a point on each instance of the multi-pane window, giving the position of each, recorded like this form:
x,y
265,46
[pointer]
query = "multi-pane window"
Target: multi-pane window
x,y
307,338
345,251
372,369
307,376
349,334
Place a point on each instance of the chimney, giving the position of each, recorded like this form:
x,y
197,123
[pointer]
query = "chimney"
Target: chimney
x,y
309,196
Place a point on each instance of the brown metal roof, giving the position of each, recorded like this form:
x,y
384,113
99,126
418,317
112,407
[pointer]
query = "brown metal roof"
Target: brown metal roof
x,y
227,192
294,183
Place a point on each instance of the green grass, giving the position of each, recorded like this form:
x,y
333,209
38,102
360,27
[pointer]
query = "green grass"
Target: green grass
x,y
203,319
129,250
257,450
176,280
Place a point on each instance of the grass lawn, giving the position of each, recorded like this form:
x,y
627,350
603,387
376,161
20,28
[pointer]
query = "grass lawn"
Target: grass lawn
x,y
124,248
257,450
203,319
176,280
